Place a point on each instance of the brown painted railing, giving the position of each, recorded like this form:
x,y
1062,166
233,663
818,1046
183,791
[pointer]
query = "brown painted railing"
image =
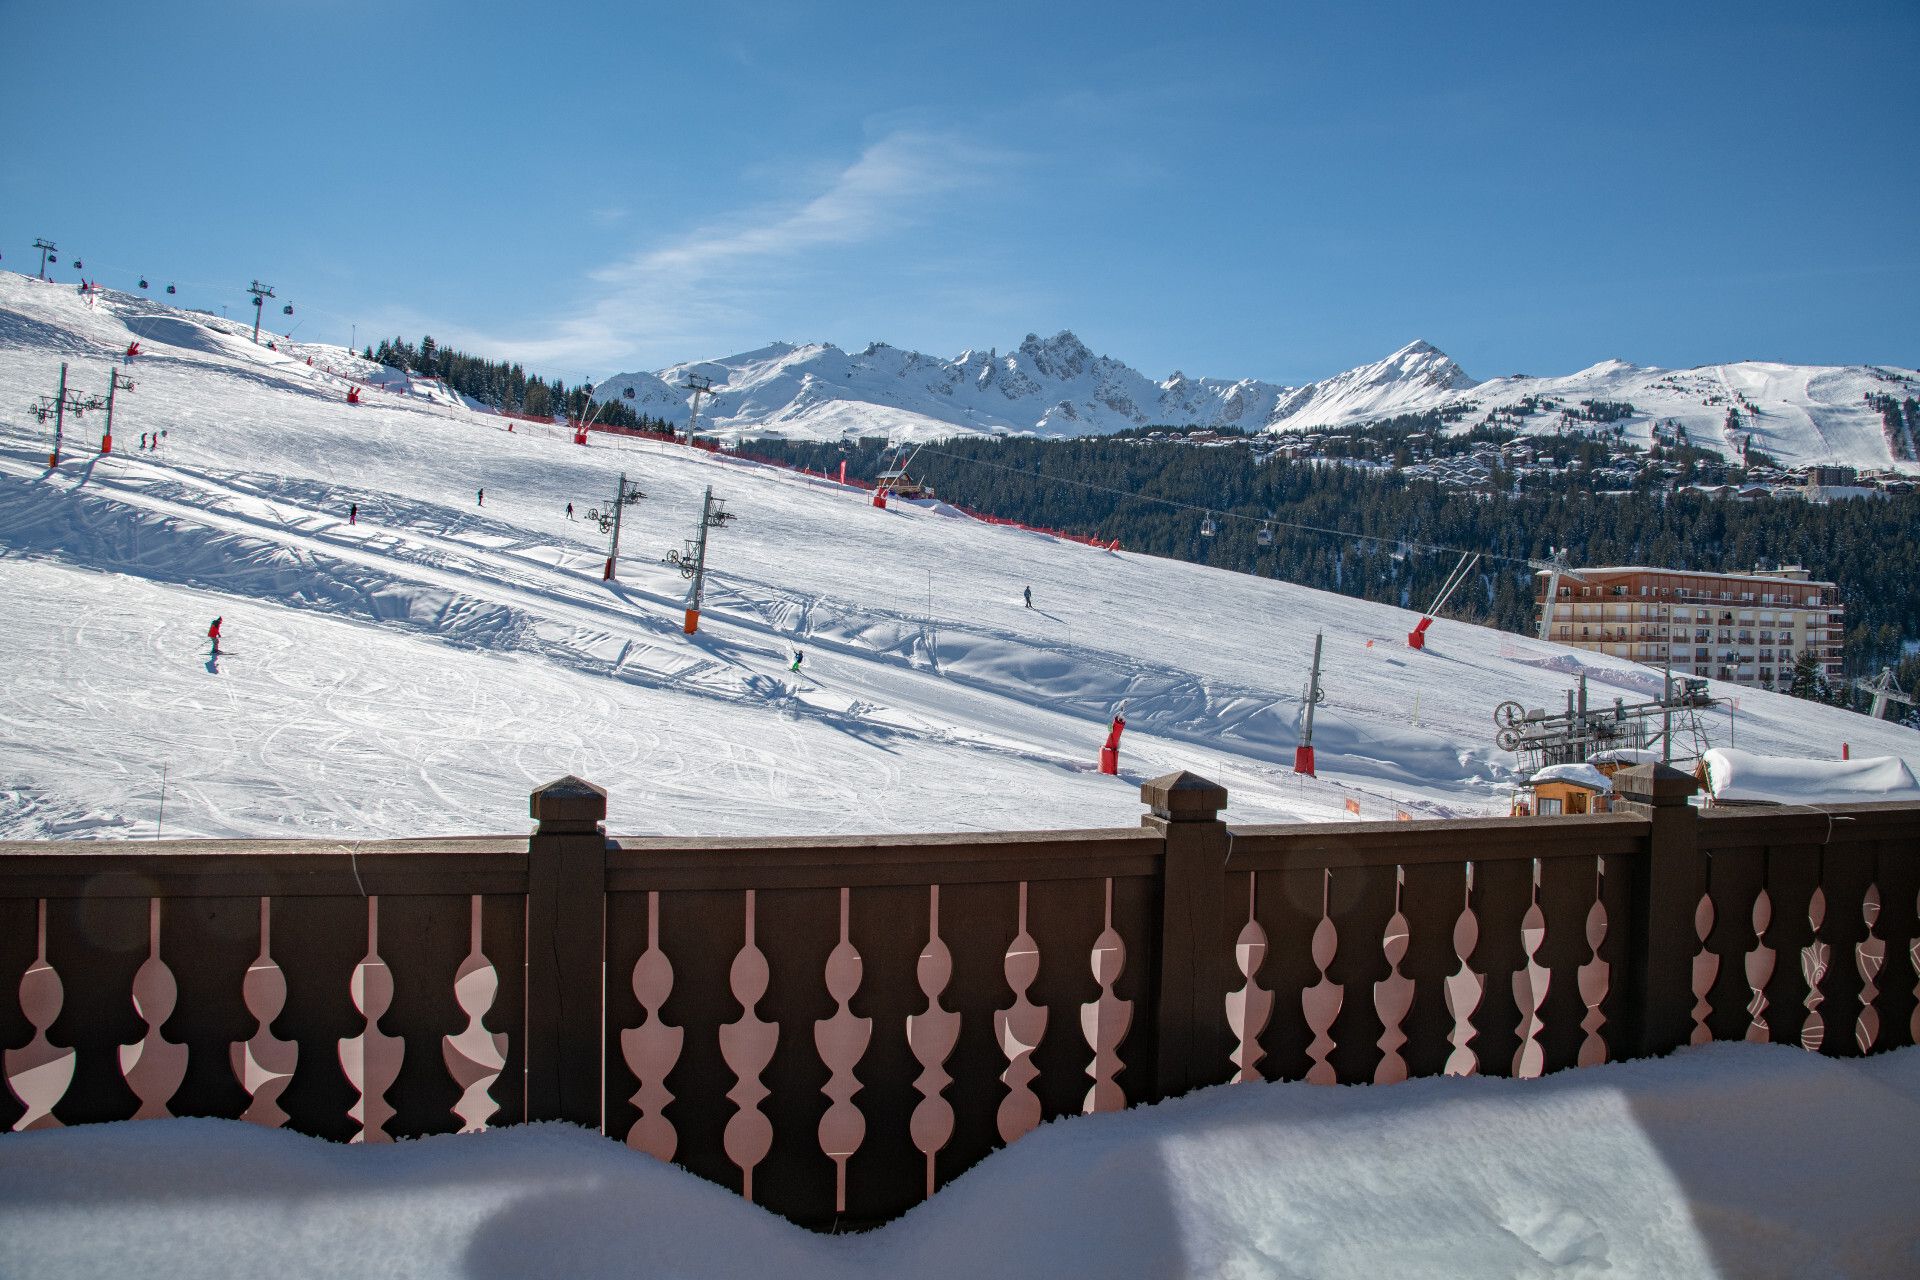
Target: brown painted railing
x,y
838,1026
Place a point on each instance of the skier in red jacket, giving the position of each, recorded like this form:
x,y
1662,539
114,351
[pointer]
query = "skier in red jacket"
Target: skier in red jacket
x,y
213,634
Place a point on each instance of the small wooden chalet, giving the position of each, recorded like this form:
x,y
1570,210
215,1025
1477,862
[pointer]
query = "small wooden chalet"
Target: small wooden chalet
x,y
902,485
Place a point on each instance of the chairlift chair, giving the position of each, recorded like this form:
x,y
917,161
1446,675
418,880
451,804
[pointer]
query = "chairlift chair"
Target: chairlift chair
x,y
287,310
79,265
143,282
1266,535
1208,528
171,289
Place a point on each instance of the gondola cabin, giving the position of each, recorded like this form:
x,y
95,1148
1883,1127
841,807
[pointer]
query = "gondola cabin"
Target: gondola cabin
x,y
902,485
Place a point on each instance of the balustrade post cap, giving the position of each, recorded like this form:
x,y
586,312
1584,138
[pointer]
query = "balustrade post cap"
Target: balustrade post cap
x,y
1656,783
568,800
1184,797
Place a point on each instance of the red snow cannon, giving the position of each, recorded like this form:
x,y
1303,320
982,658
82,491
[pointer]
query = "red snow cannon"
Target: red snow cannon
x,y
1110,754
353,395
1303,760
880,499
1417,638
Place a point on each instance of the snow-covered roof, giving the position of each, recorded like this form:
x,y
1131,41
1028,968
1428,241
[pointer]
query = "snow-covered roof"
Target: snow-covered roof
x,y
1625,755
1735,775
1580,775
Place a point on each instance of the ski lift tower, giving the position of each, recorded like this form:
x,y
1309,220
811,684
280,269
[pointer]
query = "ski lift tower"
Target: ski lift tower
x,y
57,407
46,247
1541,738
609,520
1555,566
260,292
693,562
1884,690
1315,695
116,383
700,385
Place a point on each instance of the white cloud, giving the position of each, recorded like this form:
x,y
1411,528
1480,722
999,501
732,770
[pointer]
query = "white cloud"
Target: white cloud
x,y
667,301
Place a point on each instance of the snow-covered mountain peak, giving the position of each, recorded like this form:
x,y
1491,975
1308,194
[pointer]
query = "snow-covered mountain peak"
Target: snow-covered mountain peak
x,y
1420,361
1058,386
1062,356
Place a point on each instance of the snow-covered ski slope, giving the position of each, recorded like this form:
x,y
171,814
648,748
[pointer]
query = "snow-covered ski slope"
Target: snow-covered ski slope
x,y
419,671
1800,414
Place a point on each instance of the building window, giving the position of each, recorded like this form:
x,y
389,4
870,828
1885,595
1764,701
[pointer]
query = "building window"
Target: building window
x,y
1549,806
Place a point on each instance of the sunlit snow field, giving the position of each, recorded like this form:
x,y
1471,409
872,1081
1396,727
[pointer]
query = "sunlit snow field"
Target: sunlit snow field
x,y
420,671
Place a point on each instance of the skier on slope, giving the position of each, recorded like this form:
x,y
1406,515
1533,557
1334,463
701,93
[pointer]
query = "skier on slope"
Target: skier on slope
x,y
799,656
353,513
480,497
213,634
1029,591
569,511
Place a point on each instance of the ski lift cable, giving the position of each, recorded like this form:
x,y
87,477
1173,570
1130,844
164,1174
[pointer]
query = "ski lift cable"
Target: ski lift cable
x,y
1413,543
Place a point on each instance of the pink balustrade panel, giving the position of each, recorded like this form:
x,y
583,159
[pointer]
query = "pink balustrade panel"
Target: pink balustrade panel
x,y
1105,1021
747,1045
1393,995
1595,976
1706,967
371,1059
1249,1008
652,1048
1530,987
1869,956
1759,970
1320,1003
264,1064
475,1056
153,1065
1019,1029
1813,967
931,1035
1464,988
841,1041
38,1073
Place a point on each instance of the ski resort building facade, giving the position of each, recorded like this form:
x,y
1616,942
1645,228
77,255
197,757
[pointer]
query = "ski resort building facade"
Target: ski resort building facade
x,y
1746,628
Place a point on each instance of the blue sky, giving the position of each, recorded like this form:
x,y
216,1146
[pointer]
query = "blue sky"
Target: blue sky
x,y
1269,190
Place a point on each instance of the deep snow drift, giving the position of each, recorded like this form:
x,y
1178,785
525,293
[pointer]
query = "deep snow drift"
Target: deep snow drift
x,y
1727,1160
419,671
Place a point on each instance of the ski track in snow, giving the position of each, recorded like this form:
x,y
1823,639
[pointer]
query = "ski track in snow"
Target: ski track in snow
x,y
420,671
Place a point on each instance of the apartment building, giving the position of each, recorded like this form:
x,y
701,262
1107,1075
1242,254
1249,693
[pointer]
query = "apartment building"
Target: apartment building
x,y
1748,628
